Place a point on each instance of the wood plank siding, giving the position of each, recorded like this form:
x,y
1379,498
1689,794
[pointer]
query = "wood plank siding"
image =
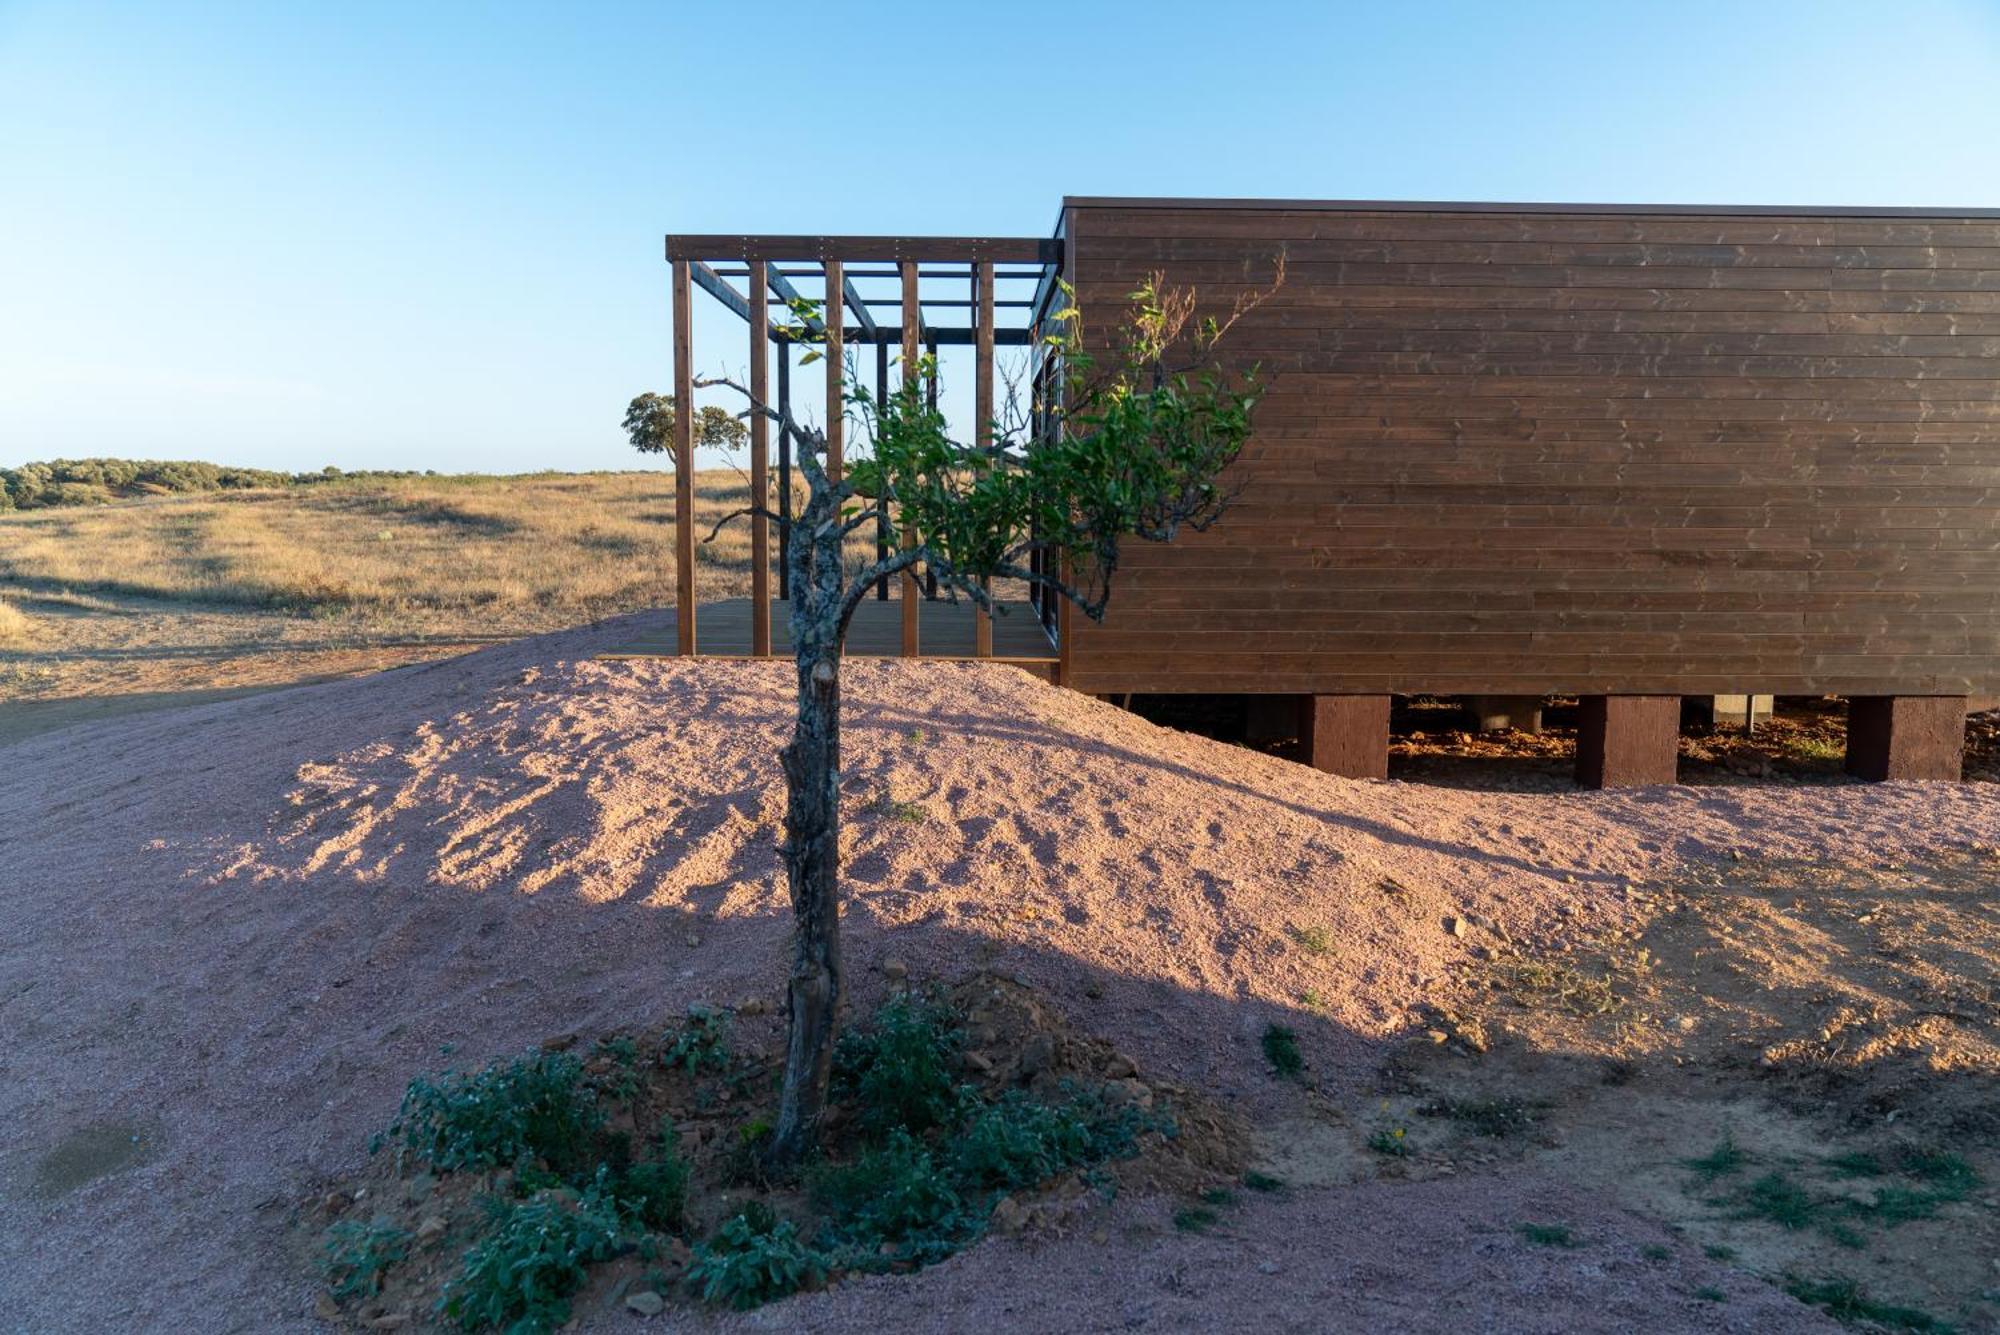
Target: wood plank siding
x,y
1516,450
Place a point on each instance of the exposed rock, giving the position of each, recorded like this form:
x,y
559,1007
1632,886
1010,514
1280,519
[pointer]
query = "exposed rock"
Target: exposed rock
x,y
646,1302
1457,926
751,1006
1120,1093
1037,1056
430,1230
1009,1215
1120,1067
895,970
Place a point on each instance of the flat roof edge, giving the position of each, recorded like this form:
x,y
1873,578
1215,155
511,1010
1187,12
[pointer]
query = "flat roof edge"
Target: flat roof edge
x,y
1463,206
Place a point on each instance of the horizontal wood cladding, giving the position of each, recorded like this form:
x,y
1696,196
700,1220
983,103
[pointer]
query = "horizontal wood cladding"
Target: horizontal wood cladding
x,y
1620,452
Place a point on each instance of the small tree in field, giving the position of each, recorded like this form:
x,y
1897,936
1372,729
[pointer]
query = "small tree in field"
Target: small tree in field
x,y
1138,443
649,425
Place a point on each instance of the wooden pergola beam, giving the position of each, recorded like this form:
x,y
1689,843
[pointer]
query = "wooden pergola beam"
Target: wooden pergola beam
x,y
1003,249
869,332
683,296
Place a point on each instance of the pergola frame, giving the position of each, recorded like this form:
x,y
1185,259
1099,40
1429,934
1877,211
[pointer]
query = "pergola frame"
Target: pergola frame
x,y
961,276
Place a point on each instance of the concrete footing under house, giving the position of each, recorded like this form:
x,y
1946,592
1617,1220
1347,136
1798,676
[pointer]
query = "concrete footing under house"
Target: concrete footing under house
x,y
1628,740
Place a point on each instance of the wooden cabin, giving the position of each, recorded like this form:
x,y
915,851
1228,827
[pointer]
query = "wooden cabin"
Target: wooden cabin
x,y
1625,453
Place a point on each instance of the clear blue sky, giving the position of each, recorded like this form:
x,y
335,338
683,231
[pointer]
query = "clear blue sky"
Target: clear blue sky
x,y
427,235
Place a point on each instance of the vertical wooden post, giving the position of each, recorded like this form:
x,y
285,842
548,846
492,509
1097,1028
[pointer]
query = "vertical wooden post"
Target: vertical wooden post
x,y
835,315
683,462
982,408
785,469
1346,735
760,462
881,515
911,315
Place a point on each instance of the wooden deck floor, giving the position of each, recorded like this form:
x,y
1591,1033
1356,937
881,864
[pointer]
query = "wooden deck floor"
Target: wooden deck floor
x,y
944,630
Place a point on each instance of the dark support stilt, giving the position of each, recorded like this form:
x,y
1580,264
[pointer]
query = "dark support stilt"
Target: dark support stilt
x,y
1626,740
1346,735
1906,737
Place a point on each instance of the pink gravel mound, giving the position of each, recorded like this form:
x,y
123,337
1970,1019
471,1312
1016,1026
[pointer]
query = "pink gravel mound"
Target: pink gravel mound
x,y
235,931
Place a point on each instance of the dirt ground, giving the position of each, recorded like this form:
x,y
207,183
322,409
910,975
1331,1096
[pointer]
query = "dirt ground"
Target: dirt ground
x,y
1658,1058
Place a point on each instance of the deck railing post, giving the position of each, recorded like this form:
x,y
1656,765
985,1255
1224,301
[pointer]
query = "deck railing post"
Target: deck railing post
x,y
912,314
760,463
683,461
982,408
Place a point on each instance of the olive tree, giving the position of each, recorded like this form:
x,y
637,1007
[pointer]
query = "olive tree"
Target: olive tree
x,y
649,425
1131,447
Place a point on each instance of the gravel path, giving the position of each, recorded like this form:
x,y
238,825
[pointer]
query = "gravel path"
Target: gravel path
x,y
234,931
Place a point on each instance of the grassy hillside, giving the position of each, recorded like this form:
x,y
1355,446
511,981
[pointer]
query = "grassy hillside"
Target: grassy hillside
x,y
523,551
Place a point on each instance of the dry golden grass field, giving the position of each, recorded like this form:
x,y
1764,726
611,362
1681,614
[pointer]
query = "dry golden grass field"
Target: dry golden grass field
x,y
110,608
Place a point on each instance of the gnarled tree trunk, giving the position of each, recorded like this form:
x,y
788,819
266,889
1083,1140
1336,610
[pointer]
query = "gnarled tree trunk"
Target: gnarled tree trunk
x,y
812,824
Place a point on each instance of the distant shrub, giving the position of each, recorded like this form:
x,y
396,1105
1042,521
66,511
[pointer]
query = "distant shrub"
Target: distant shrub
x,y
36,486
1281,1049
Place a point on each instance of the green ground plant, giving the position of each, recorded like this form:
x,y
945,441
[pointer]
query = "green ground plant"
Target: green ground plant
x,y
1281,1049
358,1253
522,1275
533,1108
1845,1300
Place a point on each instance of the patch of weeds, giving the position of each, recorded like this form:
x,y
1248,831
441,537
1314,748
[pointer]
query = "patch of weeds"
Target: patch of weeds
x,y
1654,1251
1779,1200
1218,1196
1560,986
1281,1049
357,1254
1898,1205
702,1043
1845,1300
1949,1174
1256,1181
916,735
1312,940
622,1081
1391,1142
534,1107
1815,748
653,1191
899,1070
521,1276
889,807
1725,1159
1716,1251
1708,1293
895,1195
753,1259
1196,1219
1549,1235
1312,1000
1484,1117
1017,1142
1855,1163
